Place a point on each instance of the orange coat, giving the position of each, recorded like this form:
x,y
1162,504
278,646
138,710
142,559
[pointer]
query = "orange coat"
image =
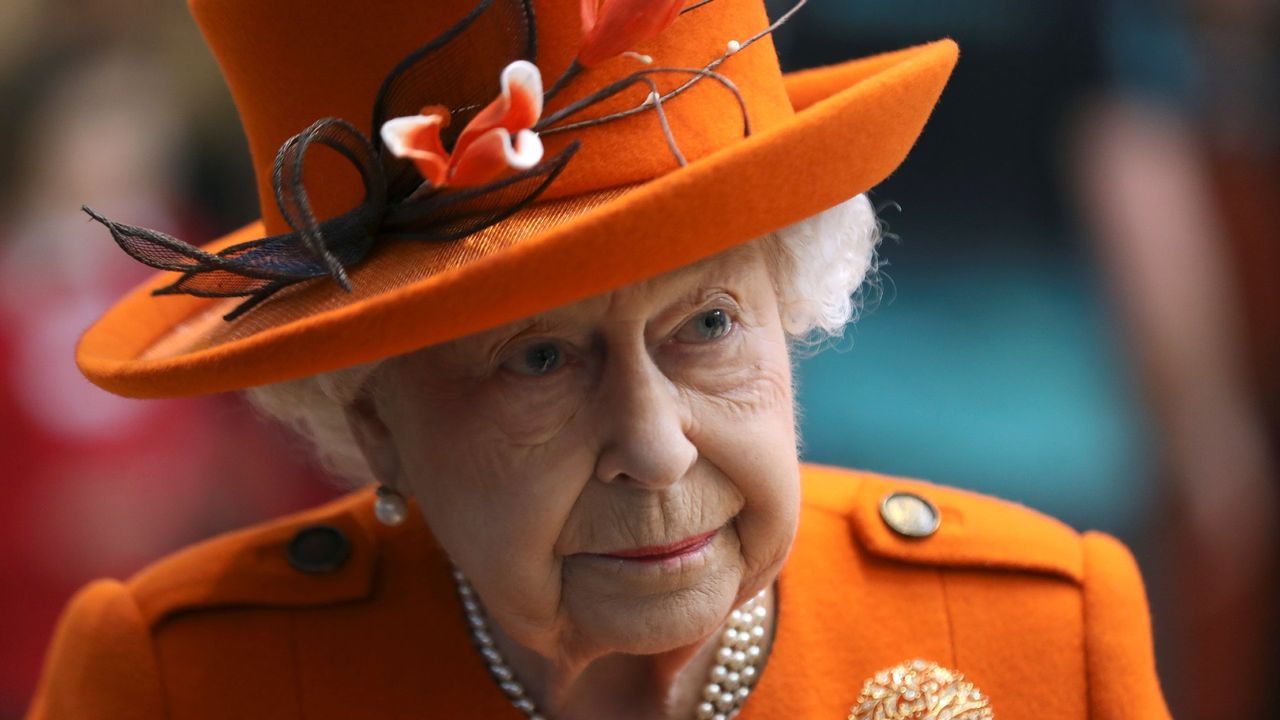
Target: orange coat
x,y
1049,623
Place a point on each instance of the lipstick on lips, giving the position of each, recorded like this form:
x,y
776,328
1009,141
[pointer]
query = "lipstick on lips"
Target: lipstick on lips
x,y
658,553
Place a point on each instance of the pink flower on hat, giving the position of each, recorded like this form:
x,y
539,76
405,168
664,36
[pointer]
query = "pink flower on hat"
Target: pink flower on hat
x,y
612,27
497,139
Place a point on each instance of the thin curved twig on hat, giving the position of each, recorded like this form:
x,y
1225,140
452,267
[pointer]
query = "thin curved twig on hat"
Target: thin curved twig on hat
x,y
577,66
695,6
782,19
662,120
544,126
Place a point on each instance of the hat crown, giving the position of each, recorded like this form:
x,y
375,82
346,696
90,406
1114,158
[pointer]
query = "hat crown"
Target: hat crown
x,y
291,62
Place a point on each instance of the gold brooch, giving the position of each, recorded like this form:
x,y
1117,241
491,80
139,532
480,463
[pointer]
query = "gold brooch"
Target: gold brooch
x,y
920,690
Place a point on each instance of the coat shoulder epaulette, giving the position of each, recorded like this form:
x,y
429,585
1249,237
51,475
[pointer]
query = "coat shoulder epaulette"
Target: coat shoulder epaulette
x,y
986,584
918,522
103,661
315,557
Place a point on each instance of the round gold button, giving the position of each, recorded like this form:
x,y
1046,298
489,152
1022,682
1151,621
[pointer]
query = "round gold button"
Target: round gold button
x,y
910,515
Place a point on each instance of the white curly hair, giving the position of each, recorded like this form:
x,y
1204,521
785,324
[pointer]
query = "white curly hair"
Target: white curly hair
x,y
824,268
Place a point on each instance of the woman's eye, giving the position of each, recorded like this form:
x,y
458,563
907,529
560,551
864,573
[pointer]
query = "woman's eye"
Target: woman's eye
x,y
705,327
539,359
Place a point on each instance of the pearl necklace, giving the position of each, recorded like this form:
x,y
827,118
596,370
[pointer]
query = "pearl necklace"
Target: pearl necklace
x,y
728,683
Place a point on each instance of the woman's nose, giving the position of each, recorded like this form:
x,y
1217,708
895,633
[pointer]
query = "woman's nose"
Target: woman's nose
x,y
643,426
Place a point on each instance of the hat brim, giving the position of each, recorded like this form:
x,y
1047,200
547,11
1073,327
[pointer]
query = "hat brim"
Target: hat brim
x,y
854,124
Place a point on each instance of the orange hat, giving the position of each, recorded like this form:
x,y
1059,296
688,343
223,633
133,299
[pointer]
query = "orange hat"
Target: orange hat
x,y
463,195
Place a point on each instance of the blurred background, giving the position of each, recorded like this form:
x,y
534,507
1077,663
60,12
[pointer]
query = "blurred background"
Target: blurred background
x,y
1078,307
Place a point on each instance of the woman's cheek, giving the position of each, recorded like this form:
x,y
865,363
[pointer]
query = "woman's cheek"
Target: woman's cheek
x,y
748,370
770,516
753,399
747,430
534,411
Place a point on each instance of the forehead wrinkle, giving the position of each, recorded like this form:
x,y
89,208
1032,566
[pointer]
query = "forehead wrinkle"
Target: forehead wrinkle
x,y
685,283
728,264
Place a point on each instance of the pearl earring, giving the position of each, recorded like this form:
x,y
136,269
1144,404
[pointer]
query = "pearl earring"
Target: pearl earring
x,y
390,507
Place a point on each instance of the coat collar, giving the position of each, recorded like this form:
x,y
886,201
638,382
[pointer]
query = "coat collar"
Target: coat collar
x,y
251,567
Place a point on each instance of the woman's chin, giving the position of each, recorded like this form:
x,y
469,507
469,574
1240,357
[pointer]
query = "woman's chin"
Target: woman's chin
x,y
648,625
632,635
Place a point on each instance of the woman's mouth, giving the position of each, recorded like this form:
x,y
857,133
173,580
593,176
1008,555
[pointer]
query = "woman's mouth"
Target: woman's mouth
x,y
660,553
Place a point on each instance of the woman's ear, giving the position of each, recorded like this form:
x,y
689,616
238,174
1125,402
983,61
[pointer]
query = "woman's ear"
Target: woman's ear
x,y
374,439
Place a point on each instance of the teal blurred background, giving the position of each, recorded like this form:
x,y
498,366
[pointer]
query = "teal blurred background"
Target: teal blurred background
x,y
1002,376
990,358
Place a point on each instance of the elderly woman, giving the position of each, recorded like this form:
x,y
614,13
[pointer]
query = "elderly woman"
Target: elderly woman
x,y
547,332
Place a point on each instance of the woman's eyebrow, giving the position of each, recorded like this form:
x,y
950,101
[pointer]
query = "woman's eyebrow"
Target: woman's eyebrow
x,y
724,277
536,325
692,299
484,346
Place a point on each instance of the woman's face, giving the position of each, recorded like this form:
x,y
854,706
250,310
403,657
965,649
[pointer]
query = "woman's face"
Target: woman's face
x,y
555,457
